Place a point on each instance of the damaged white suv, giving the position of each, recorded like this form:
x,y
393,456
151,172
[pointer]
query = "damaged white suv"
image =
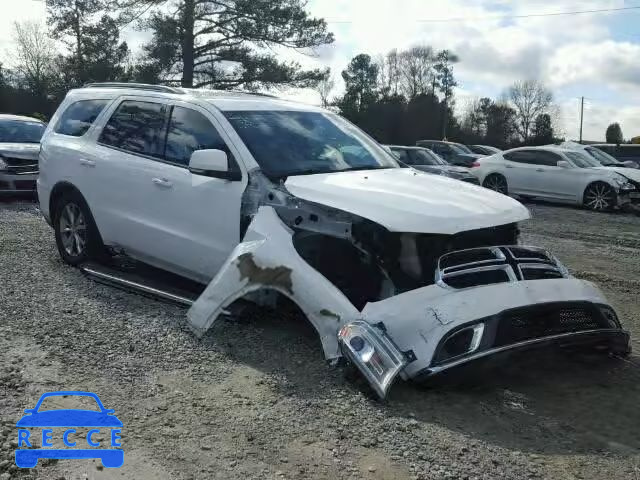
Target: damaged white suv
x,y
402,272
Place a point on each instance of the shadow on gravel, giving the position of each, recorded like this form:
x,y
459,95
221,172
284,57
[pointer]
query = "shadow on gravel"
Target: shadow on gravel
x,y
552,403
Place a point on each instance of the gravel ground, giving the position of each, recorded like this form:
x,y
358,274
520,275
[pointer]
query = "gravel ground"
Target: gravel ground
x,y
254,398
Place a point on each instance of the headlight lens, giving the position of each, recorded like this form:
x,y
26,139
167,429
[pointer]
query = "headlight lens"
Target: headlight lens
x,y
623,183
3,164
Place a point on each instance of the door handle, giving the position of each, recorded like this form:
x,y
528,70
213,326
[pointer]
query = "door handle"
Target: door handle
x,y
539,169
87,163
162,182
508,166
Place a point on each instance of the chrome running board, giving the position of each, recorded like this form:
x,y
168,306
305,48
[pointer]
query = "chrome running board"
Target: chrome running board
x,y
137,284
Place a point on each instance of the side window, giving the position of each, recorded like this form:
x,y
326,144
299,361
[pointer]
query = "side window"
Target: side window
x,y
79,116
519,156
401,154
137,127
189,131
549,159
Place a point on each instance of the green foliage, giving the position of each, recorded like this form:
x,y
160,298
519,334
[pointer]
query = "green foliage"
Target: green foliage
x,y
208,43
614,134
543,130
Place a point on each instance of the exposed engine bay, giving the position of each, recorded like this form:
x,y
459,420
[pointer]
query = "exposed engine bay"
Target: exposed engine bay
x,y
408,304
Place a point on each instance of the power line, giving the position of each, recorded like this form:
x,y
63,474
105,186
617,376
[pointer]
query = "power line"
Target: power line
x,y
506,17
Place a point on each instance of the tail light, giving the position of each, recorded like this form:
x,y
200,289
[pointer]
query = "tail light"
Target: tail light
x,y
475,164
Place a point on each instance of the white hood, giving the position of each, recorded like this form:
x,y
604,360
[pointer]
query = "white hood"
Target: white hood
x,y
404,200
630,173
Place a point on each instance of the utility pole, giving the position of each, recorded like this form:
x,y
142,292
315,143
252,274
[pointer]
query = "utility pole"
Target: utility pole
x,y
581,116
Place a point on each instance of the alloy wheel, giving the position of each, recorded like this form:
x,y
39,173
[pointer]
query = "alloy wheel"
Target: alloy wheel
x,y
73,230
496,183
599,197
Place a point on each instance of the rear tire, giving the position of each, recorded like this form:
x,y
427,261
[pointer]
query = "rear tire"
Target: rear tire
x,y
599,197
497,183
77,236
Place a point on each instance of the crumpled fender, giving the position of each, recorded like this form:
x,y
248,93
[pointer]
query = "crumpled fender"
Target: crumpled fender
x,y
267,259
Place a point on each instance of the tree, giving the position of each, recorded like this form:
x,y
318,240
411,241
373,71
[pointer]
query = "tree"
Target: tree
x,y
415,68
68,20
529,99
445,82
361,82
324,89
500,124
543,130
614,134
389,74
230,43
34,57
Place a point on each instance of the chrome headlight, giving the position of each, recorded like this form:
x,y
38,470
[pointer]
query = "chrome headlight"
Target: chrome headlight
x,y
3,164
623,182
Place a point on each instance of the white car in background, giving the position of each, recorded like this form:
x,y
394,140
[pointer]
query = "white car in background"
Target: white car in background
x,y
560,175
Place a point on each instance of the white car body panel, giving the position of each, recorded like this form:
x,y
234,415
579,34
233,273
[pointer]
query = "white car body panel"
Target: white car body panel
x,y
555,183
398,200
190,224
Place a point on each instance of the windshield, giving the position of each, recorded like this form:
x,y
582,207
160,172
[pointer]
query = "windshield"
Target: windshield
x,y
581,160
296,143
19,131
456,147
427,157
602,157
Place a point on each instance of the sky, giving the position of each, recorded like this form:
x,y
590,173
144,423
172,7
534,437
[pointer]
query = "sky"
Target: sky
x,y
592,55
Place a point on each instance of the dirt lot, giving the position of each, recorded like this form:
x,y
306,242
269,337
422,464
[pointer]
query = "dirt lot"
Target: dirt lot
x,y
254,399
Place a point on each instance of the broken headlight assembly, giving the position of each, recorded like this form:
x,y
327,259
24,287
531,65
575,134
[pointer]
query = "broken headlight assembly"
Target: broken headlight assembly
x,y
370,349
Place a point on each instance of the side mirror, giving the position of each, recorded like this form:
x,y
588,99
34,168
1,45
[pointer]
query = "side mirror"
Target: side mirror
x,y
563,164
212,163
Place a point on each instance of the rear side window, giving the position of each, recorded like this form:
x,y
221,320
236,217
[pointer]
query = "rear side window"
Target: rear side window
x,y
534,157
79,116
402,155
189,131
137,127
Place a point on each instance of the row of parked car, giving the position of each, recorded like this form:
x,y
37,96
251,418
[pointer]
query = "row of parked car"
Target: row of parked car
x,y
570,173
400,272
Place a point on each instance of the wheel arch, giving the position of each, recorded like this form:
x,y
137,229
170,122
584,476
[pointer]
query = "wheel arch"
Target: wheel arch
x,y
58,191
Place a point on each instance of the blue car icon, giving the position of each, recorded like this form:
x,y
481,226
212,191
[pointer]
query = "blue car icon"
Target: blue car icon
x,y
72,418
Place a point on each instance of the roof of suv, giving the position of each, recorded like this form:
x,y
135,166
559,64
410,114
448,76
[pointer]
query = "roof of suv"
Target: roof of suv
x,y
222,99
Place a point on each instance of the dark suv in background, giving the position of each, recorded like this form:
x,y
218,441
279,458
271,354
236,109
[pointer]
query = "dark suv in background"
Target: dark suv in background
x,y
454,153
622,153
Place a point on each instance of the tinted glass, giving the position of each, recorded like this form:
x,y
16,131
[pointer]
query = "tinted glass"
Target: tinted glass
x,y
534,157
602,157
296,143
137,127
582,160
190,131
79,116
20,131
401,154
462,147
628,152
425,157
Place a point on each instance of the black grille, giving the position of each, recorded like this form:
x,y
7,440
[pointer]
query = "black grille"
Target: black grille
x,y
21,165
529,323
25,184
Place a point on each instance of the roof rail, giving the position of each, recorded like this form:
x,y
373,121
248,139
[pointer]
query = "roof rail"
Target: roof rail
x,y
137,86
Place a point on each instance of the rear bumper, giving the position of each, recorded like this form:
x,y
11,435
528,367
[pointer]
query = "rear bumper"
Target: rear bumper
x,y
17,183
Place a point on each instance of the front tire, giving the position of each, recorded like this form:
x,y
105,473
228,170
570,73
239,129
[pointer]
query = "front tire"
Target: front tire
x,y
77,236
599,197
497,183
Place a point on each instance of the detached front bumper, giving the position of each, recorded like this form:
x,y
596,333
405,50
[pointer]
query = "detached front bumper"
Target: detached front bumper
x,y
17,183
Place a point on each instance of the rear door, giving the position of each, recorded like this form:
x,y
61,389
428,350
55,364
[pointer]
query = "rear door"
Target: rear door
x,y
547,180
519,169
163,214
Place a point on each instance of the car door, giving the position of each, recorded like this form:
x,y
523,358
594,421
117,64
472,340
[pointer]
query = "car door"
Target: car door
x,y
195,218
157,210
548,179
518,170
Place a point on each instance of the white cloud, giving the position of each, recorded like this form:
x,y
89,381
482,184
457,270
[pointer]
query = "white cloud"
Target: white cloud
x,y
572,54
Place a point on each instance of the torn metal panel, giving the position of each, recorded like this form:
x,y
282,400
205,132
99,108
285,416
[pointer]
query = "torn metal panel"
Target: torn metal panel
x,y
267,259
418,320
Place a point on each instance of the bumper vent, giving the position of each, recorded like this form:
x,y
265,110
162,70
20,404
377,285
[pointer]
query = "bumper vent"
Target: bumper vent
x,y
526,324
489,265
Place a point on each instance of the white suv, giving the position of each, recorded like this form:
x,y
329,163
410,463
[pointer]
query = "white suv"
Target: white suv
x,y
403,272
